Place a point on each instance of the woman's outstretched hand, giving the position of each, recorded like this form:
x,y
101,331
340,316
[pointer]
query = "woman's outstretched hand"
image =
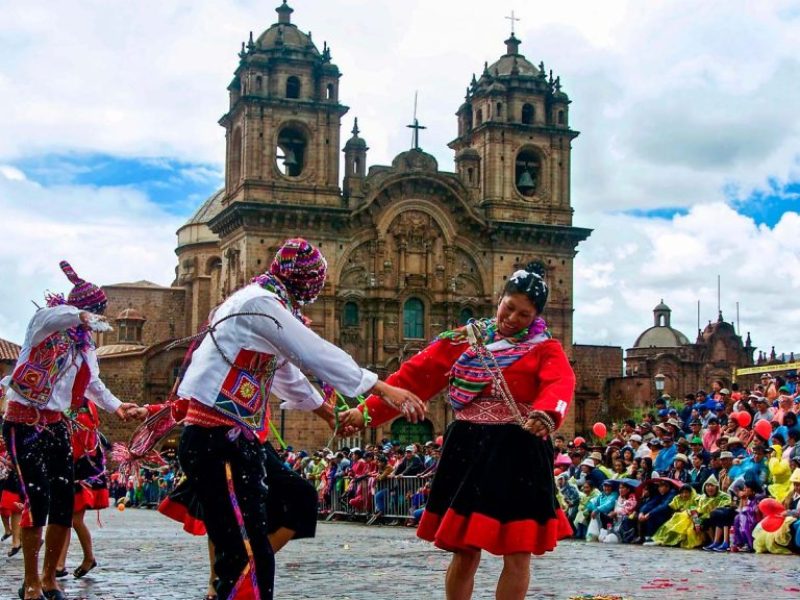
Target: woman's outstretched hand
x,y
406,402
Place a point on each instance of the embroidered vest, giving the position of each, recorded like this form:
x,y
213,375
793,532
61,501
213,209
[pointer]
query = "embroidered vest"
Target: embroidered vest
x,y
35,378
244,395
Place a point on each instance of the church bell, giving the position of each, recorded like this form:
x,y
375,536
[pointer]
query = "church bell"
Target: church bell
x,y
525,184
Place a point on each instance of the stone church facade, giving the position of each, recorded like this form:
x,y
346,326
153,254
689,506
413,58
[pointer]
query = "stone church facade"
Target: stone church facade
x,y
412,250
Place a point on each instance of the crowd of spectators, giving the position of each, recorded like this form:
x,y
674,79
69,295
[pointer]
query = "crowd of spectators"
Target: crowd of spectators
x,y
145,488
385,482
719,470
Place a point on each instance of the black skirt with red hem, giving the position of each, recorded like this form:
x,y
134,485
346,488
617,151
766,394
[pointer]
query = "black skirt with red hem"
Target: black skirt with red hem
x,y
91,482
183,506
10,495
494,490
291,501
91,499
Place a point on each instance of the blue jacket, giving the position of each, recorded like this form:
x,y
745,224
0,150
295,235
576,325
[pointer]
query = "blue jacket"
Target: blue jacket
x,y
604,503
658,504
664,460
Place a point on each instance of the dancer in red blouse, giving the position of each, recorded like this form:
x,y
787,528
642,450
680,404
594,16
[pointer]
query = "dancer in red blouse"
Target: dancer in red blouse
x,y
510,385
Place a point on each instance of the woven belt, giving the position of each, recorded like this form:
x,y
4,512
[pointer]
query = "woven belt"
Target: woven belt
x,y
204,416
488,412
30,415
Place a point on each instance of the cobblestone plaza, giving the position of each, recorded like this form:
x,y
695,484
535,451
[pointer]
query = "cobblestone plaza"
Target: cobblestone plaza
x,y
144,555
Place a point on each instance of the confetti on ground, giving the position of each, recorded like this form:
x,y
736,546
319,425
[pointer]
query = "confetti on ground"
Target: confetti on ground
x,y
594,597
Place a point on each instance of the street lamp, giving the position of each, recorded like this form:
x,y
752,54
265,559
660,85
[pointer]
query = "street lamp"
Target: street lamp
x,y
659,379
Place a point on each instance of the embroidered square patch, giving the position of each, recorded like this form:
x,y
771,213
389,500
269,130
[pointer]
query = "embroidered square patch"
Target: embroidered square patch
x,y
245,390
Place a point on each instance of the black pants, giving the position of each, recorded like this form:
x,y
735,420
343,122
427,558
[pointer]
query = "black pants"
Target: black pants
x,y
44,458
292,501
230,482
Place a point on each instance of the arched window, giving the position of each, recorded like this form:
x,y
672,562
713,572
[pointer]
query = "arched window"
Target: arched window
x,y
561,119
356,166
526,172
478,117
499,111
414,319
350,315
259,83
465,315
292,87
527,114
290,155
470,175
331,92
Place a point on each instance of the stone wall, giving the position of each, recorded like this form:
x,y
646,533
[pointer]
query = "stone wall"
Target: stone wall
x,y
124,376
163,307
594,366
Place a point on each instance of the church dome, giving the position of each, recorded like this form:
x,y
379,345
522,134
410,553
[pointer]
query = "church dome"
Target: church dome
x,y
284,34
356,142
208,209
415,160
661,334
506,64
195,230
661,337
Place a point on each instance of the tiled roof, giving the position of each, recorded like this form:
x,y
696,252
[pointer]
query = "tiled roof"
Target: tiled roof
x,y
9,351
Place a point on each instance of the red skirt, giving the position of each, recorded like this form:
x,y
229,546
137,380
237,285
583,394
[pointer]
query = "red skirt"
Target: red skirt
x,y
494,490
10,503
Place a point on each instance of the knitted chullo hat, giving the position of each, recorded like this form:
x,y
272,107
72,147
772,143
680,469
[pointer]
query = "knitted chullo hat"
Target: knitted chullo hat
x,y
84,295
302,269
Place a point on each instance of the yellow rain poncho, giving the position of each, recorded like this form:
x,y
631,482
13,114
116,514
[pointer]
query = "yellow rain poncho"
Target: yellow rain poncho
x,y
706,503
779,471
679,530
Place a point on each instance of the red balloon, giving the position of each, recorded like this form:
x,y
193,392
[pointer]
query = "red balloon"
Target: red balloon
x,y
743,418
599,429
440,440
764,429
579,441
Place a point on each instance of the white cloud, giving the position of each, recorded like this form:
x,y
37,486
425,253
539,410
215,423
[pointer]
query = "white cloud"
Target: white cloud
x,y
12,173
679,260
109,235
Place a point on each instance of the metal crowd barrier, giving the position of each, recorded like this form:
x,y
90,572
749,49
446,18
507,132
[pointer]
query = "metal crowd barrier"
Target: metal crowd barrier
x,y
393,498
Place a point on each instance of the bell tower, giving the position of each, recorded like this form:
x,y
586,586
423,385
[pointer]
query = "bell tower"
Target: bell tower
x,y
282,126
514,141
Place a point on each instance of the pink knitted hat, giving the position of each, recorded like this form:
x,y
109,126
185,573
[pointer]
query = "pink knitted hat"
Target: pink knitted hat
x,y
302,269
84,295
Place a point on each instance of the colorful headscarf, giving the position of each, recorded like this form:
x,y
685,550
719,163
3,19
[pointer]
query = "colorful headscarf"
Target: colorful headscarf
x,y
84,295
468,376
302,269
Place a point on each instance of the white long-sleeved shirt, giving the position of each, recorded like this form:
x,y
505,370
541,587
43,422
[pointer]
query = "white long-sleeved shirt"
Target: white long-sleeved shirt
x,y
295,346
45,323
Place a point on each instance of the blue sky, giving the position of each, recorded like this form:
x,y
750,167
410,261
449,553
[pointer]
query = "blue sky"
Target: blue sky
x,y
174,185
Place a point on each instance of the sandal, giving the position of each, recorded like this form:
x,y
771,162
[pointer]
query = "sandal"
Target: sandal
x,y
5,537
55,594
21,593
61,573
14,550
81,572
